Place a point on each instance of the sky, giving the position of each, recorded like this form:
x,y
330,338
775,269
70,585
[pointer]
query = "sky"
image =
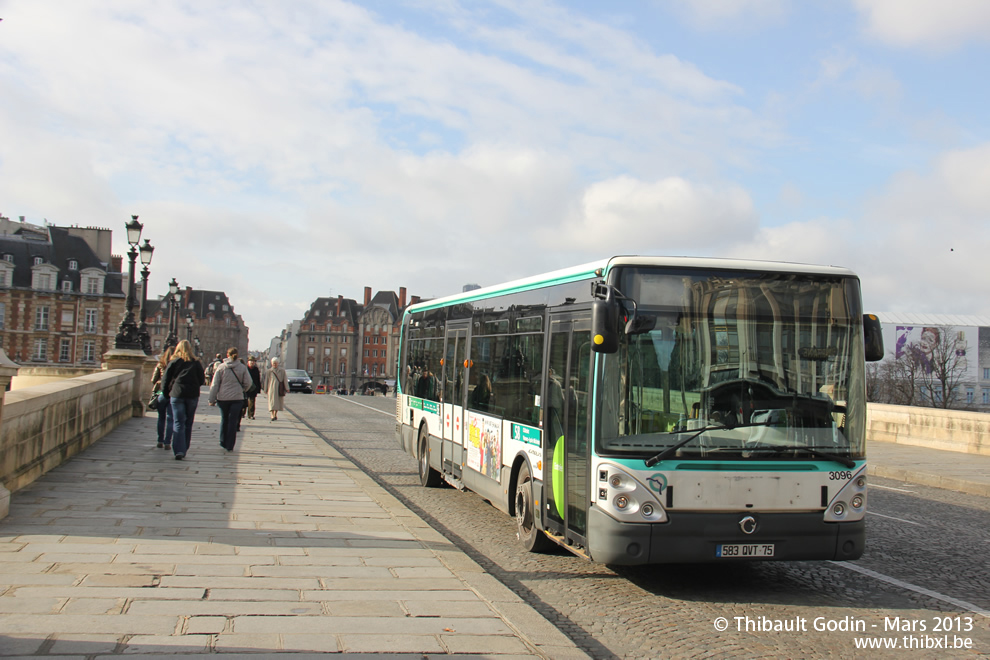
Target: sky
x,y
285,150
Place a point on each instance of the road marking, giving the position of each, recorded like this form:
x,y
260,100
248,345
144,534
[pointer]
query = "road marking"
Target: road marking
x,y
899,490
915,588
380,412
910,522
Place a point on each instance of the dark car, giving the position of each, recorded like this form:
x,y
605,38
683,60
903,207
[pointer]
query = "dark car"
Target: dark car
x,y
299,381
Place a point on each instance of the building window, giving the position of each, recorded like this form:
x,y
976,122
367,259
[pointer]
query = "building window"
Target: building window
x,y
309,367
226,308
65,350
37,261
3,315
67,318
3,277
326,367
8,257
41,318
986,397
73,264
90,324
94,286
89,351
311,350
40,353
66,286
227,320
343,352
43,281
986,373
211,307
969,395
326,351
365,352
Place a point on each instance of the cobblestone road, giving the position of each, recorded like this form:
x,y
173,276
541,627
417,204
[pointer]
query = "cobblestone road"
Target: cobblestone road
x,y
924,580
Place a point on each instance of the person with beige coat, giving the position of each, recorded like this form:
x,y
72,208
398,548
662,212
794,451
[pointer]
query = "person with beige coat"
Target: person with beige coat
x,y
276,387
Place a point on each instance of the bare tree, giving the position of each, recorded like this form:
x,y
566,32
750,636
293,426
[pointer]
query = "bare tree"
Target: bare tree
x,y
943,358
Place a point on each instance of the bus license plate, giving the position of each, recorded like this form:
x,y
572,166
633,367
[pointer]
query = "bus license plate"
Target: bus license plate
x,y
744,550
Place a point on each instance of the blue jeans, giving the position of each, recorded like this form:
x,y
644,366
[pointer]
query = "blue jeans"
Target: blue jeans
x,y
183,412
230,418
164,420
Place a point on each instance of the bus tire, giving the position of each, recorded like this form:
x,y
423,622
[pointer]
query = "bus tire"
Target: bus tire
x,y
532,538
429,477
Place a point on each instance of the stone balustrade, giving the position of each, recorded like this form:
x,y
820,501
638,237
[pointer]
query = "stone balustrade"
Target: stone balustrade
x,y
935,428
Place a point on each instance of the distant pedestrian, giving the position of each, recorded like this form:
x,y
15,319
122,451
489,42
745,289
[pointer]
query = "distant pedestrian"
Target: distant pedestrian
x,y
164,404
212,367
183,379
230,381
252,393
276,387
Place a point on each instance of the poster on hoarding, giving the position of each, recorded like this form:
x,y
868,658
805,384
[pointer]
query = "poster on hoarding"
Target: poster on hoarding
x,y
485,446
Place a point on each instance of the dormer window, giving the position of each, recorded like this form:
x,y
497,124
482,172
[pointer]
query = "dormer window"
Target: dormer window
x,y
66,286
8,257
91,281
38,261
211,307
73,264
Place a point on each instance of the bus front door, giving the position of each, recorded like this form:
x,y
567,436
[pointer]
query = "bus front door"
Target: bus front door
x,y
454,387
566,393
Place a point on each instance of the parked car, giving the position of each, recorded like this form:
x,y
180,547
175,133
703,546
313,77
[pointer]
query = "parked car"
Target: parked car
x,y
299,381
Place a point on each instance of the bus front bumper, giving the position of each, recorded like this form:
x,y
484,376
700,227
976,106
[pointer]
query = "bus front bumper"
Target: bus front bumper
x,y
694,538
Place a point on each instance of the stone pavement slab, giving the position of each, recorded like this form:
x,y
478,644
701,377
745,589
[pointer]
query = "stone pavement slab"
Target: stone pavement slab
x,y
280,546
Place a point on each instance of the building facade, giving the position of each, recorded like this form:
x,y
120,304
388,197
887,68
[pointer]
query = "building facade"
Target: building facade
x,y
206,318
60,300
341,343
970,343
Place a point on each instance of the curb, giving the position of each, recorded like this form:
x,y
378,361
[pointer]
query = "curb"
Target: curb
x,y
930,479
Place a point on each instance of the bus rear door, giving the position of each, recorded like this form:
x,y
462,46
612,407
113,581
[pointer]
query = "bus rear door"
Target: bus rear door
x,y
454,390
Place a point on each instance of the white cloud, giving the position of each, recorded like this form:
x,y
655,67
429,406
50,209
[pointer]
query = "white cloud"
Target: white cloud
x,y
926,24
732,14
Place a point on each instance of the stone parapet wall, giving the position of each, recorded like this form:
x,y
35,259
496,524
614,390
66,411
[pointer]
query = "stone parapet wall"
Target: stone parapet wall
x,y
44,426
935,428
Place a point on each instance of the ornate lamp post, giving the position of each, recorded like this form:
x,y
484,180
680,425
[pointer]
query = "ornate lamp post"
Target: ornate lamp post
x,y
196,344
189,326
147,250
127,332
173,305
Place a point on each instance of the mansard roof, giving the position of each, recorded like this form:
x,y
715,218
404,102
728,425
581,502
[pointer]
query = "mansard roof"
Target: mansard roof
x,y
57,250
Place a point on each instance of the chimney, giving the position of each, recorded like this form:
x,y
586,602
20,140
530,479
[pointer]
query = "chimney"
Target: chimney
x,y
414,300
367,296
402,297
186,296
340,299
116,263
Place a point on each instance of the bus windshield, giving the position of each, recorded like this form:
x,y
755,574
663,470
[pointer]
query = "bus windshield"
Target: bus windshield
x,y
739,366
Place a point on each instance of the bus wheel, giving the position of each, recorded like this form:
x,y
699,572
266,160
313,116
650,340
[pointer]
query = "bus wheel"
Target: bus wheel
x,y
427,475
532,538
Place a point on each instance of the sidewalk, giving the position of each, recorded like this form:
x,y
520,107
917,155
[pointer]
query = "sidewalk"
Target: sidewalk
x,y
967,473
282,545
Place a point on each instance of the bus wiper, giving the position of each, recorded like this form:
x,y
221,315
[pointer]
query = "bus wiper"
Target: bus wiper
x,y
669,451
779,449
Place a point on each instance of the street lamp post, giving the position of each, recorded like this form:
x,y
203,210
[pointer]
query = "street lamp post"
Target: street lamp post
x,y
127,332
189,326
196,344
173,313
147,250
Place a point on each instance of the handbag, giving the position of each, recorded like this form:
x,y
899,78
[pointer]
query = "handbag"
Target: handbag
x,y
153,403
281,388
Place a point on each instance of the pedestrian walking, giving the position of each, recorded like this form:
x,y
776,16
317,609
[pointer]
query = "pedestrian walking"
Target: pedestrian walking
x,y
230,381
164,404
276,387
252,393
212,367
183,379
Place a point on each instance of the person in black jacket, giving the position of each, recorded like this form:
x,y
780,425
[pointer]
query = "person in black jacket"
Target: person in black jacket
x,y
183,378
252,393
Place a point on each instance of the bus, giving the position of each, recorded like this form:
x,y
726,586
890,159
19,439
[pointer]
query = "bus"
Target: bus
x,y
648,410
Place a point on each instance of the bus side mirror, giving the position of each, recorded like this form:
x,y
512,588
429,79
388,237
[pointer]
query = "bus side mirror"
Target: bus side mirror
x,y
872,338
604,325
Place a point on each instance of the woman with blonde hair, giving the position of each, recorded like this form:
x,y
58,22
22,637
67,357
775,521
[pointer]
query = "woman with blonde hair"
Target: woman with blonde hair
x,y
183,379
164,405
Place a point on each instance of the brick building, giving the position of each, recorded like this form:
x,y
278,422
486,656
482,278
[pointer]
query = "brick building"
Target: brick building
x,y
61,294
343,343
215,324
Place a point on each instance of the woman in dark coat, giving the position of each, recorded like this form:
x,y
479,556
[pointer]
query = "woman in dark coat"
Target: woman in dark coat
x,y
183,378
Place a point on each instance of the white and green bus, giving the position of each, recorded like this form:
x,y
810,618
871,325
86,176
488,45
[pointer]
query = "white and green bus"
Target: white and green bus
x,y
647,410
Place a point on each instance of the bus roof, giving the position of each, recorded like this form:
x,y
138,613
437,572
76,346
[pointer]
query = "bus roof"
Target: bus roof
x,y
587,271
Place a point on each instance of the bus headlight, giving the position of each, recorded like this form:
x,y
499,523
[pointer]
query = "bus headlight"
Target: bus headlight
x,y
849,504
624,498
